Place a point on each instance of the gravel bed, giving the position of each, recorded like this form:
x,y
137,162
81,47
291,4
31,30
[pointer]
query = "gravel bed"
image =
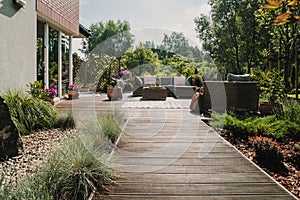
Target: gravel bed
x,y
37,147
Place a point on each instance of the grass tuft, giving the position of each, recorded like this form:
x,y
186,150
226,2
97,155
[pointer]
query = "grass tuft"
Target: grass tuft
x,y
110,124
29,114
65,121
72,172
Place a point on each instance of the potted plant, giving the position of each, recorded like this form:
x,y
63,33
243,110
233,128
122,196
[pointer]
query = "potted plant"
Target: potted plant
x,y
36,90
50,93
195,80
112,92
112,89
273,93
73,91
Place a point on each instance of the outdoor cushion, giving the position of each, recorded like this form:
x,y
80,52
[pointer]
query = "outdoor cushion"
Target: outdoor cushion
x,y
165,81
233,77
149,80
179,80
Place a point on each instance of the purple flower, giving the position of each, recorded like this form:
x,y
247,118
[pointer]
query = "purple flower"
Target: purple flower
x,y
73,87
51,91
125,74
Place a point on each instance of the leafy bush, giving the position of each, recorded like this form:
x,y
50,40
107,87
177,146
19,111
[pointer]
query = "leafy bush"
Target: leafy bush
x,y
267,152
296,156
290,112
110,123
29,114
243,126
271,84
283,129
37,90
292,154
239,128
218,121
70,173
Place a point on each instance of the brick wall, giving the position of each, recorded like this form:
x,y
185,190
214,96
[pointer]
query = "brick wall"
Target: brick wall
x,y
65,13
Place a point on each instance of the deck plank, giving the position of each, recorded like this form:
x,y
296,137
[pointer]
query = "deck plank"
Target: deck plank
x,y
170,154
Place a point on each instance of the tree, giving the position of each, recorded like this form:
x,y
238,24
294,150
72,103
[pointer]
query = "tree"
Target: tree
x,y
282,16
108,39
181,64
287,10
101,32
230,34
148,45
179,44
140,60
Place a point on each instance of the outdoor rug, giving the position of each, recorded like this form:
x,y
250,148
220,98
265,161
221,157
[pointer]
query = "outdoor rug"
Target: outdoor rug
x,y
178,104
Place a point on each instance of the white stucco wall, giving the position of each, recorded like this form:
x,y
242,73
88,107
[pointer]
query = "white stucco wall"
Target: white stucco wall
x,y
17,45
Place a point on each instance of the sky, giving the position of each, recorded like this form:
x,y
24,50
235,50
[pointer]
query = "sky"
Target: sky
x,y
148,19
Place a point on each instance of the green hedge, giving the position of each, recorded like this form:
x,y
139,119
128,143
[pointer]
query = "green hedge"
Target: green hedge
x,y
284,127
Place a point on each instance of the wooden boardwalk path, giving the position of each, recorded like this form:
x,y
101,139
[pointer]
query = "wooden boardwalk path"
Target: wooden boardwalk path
x,y
170,154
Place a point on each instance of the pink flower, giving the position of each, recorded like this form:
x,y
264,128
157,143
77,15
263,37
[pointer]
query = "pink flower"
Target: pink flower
x,y
73,87
51,91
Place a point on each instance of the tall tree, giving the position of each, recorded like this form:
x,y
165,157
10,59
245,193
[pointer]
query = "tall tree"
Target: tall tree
x,y
282,16
111,32
108,39
229,34
179,44
140,60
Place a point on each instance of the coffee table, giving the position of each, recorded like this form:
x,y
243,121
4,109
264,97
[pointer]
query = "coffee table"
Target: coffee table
x,y
154,93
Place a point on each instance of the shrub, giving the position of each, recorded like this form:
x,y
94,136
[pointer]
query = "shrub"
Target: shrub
x,y
218,120
283,129
296,156
110,123
241,128
267,152
37,90
29,114
65,121
70,173
293,155
244,125
74,173
291,111
270,84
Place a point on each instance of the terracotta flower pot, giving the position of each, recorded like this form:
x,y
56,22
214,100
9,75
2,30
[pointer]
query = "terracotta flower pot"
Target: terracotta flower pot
x,y
73,94
112,93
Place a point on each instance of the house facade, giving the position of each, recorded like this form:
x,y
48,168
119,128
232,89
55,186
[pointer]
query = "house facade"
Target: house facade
x,y
36,41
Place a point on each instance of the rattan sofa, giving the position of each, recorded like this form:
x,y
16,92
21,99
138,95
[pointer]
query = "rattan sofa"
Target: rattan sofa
x,y
177,91
223,96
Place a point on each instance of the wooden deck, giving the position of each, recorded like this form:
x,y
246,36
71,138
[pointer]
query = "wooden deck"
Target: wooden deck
x,y
171,154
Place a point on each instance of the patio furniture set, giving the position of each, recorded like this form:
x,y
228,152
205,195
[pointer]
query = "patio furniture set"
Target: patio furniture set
x,y
177,87
232,95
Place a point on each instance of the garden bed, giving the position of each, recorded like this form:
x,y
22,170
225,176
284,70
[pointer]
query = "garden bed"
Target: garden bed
x,y
37,148
288,176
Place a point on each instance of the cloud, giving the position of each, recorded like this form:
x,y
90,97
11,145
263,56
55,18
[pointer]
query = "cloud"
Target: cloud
x,y
174,15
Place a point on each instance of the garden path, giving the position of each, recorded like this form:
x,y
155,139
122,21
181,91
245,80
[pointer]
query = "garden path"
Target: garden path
x,y
166,152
